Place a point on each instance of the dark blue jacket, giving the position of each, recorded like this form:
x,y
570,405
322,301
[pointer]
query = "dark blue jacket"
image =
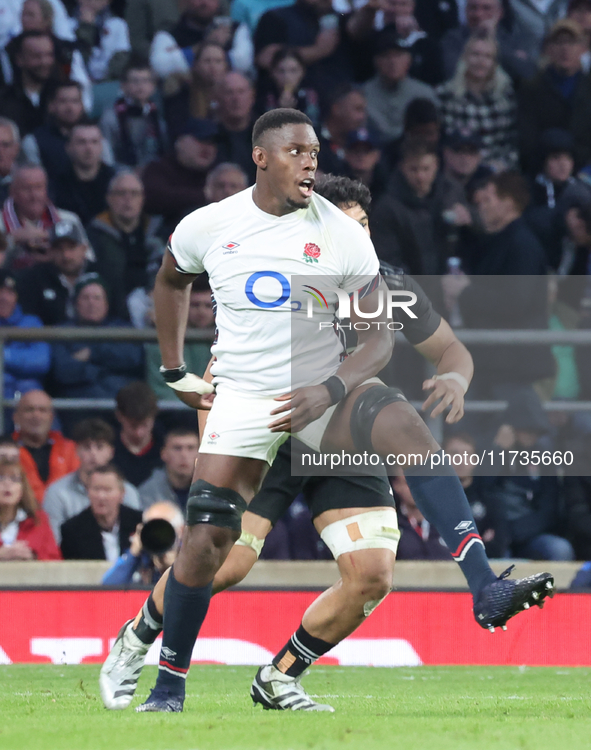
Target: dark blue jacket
x,y
111,366
25,362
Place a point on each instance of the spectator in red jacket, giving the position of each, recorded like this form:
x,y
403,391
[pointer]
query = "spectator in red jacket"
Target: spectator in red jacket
x,y
45,454
25,533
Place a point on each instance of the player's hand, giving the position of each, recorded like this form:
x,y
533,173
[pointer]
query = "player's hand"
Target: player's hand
x,y
301,407
196,400
448,393
135,545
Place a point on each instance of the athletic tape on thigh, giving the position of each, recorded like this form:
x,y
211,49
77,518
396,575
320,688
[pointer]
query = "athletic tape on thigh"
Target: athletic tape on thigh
x,y
366,409
376,529
250,540
216,506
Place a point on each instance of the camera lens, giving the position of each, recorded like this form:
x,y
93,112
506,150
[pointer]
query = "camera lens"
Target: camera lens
x,y
158,536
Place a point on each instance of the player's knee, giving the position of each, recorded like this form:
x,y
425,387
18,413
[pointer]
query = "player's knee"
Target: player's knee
x,y
215,506
365,410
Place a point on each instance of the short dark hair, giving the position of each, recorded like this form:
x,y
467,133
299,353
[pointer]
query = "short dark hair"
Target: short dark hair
x,y
578,5
136,62
420,112
512,184
276,119
57,86
21,39
109,469
343,191
415,148
285,53
8,440
464,437
137,401
93,430
180,432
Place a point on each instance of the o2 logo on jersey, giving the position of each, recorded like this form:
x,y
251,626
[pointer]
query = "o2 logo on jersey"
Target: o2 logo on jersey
x,y
283,281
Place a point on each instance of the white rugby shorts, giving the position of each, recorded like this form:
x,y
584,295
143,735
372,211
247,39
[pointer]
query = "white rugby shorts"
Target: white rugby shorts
x,y
238,425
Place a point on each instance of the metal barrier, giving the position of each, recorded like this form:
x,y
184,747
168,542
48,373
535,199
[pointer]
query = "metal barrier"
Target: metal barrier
x,y
148,335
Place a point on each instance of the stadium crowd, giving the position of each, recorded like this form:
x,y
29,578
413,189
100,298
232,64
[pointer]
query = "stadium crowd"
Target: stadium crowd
x,y
470,122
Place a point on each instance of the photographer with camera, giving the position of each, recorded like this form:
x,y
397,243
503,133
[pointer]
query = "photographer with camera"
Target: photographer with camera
x,y
153,548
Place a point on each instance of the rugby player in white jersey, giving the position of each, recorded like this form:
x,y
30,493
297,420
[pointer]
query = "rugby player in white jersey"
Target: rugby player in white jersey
x,y
274,223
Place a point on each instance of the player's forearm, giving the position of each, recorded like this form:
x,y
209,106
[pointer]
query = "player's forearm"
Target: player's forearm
x,y
456,358
368,358
171,307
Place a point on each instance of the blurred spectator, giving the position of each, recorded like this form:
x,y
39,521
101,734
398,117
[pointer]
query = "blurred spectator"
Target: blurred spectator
x,y
137,446
346,112
580,12
421,123
28,217
45,454
145,18
46,145
196,21
418,539
409,224
14,17
10,142
223,181
102,531
8,448
534,20
68,496
399,17
124,239
577,500
174,184
38,16
3,248
82,188
511,253
480,98
554,191
531,500
558,97
25,533
235,114
102,38
462,160
249,12
284,86
96,369
25,362
197,354
195,97
487,508
516,55
133,126
24,101
317,33
363,154
47,289
139,565
173,481
391,89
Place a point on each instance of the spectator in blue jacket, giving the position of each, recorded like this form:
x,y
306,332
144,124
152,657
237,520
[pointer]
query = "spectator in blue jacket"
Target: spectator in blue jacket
x,y
25,362
98,369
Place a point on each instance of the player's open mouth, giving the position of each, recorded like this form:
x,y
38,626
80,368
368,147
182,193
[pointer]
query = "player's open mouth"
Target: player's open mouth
x,y
307,187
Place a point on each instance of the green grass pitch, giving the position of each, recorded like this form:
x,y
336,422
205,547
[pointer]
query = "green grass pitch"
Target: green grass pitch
x,y
46,707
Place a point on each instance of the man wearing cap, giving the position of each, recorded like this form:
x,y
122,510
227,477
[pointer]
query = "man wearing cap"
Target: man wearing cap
x,y
174,183
47,289
558,97
363,155
27,217
391,89
462,159
25,362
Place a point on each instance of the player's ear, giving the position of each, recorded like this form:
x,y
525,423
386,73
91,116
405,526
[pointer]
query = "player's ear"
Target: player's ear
x,y
259,157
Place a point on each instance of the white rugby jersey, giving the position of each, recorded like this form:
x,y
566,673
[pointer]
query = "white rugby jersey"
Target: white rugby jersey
x,y
251,257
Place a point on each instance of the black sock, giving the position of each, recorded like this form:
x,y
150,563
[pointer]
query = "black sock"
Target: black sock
x,y
149,626
301,650
184,611
441,499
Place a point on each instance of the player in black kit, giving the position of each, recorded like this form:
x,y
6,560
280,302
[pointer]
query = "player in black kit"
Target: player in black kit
x,y
356,518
